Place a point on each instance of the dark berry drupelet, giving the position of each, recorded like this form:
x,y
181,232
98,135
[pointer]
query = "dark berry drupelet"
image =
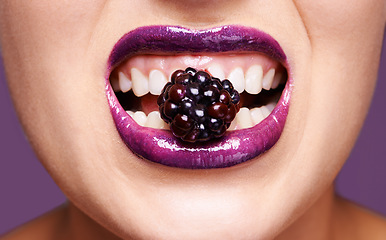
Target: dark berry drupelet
x,y
197,106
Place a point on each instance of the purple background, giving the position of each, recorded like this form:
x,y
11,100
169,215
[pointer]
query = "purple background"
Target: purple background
x,y
27,191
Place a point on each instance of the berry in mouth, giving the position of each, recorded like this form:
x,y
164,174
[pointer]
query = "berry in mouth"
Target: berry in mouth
x,y
197,106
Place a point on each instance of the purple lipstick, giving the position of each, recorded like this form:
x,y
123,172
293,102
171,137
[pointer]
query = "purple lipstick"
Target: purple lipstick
x,y
161,146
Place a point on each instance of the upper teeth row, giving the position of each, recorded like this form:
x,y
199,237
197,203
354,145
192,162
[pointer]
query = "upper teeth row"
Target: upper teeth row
x,y
252,81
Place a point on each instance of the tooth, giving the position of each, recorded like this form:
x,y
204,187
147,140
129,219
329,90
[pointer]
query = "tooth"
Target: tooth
x,y
253,78
237,79
171,73
140,118
276,80
155,121
115,84
268,78
131,113
257,115
265,111
140,82
271,106
157,81
124,82
216,71
244,119
233,125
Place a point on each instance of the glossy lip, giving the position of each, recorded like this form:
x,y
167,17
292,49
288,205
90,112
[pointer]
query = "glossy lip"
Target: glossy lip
x,y
161,146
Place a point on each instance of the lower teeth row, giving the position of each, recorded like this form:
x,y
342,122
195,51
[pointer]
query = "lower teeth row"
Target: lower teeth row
x,y
245,118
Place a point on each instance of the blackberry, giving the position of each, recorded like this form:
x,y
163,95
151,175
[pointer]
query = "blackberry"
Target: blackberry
x,y
197,106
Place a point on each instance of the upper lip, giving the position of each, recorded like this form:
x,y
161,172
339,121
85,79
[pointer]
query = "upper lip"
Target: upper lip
x,y
160,146
174,39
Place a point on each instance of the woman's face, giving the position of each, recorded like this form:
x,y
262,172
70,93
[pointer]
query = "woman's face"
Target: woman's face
x,y
56,57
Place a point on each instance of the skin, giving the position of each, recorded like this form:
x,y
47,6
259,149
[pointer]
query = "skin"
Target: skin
x,y
58,51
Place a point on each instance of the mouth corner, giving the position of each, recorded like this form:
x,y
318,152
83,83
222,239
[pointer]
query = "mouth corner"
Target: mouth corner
x,y
161,146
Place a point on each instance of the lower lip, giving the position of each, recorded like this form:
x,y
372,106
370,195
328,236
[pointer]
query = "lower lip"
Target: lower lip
x,y
233,148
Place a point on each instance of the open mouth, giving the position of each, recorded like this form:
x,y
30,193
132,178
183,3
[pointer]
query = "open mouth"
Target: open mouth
x,y
142,62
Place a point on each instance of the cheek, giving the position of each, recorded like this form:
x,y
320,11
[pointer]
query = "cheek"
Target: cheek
x,y
346,39
340,17
345,42
344,28
50,22
42,36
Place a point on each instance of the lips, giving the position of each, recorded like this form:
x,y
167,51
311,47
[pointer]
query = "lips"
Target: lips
x,y
161,146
